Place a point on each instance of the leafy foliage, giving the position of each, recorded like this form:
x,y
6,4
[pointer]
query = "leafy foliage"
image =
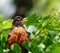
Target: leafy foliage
x,y
47,33
45,39
15,48
54,48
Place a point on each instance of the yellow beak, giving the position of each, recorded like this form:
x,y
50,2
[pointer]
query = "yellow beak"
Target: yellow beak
x,y
24,20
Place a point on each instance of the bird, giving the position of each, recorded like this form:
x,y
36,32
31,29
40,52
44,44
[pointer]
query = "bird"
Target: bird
x,y
18,33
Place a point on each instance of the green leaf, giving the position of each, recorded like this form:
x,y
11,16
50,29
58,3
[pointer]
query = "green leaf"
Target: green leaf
x,y
54,48
36,49
5,33
1,50
45,18
25,44
32,19
16,48
6,24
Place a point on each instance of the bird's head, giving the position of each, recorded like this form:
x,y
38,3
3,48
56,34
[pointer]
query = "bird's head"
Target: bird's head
x,y
18,21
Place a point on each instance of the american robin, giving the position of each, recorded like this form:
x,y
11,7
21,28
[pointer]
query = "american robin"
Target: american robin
x,y
18,33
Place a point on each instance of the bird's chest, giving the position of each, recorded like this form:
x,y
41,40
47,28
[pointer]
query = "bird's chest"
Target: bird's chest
x,y
18,35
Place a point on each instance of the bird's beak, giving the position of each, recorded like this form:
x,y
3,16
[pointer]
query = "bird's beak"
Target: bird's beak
x,y
24,20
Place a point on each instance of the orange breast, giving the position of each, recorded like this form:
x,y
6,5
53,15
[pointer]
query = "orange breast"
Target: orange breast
x,y
17,35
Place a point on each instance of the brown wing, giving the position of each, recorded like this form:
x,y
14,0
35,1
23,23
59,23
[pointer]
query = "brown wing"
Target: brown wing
x,y
17,35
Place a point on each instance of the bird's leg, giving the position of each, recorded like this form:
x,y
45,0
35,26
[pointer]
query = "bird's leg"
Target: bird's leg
x,y
24,50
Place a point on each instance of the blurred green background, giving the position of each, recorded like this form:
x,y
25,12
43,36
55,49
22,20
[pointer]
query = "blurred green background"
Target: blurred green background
x,y
43,25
